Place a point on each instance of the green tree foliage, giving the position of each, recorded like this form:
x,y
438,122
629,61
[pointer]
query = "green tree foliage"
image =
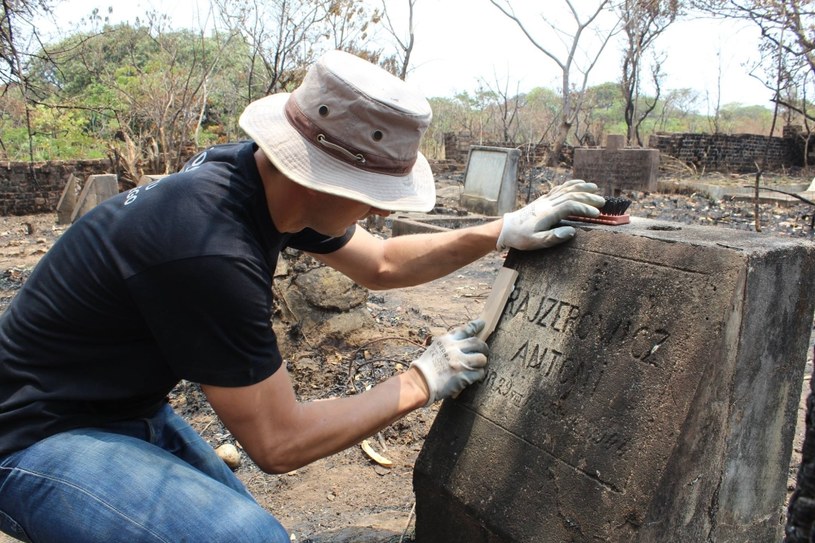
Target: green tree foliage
x,y
150,96
50,132
140,89
542,113
18,38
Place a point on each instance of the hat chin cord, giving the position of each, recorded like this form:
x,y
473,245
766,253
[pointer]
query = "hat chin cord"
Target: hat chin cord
x,y
358,157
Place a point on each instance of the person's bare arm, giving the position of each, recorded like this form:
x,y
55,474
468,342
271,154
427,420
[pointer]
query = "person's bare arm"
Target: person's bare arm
x,y
281,434
410,260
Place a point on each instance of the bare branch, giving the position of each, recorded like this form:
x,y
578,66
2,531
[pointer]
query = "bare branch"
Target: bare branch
x,y
571,99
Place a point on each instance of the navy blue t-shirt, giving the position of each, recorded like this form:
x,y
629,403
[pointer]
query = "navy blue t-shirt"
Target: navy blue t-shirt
x,y
169,281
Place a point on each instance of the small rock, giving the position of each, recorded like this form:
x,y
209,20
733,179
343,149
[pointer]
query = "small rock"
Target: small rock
x,y
230,455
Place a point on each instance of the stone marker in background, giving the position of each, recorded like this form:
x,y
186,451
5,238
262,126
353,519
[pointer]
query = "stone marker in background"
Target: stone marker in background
x,y
97,189
67,201
616,169
490,180
643,386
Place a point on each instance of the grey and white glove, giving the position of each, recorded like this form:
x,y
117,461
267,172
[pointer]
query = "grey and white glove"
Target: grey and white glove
x,y
531,226
453,361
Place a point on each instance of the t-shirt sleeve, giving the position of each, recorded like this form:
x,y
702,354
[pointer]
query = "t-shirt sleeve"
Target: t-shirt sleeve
x,y
310,241
211,318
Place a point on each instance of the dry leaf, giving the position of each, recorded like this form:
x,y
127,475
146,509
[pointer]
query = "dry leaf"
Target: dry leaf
x,y
375,456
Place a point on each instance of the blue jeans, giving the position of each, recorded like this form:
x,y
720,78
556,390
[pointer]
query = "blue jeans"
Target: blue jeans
x,y
142,480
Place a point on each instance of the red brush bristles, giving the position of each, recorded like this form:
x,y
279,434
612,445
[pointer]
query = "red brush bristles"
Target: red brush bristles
x,y
612,213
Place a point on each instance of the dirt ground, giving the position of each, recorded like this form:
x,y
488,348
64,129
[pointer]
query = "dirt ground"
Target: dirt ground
x,y
348,497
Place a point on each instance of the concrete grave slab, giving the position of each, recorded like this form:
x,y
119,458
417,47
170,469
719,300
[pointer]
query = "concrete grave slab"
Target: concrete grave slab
x,y
643,386
67,201
490,180
97,189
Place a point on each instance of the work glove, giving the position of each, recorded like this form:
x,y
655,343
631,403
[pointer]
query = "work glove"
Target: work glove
x,y
531,227
453,361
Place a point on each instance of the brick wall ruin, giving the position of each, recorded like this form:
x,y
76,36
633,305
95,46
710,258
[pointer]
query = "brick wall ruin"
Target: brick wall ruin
x,y
29,188
736,153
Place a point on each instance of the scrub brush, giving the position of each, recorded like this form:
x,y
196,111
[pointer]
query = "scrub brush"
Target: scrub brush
x,y
612,213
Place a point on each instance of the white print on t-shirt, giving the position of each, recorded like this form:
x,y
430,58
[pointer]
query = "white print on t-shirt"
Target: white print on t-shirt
x,y
197,161
132,194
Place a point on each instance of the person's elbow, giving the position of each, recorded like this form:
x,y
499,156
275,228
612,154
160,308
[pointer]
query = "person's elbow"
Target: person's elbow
x,y
277,468
381,280
277,459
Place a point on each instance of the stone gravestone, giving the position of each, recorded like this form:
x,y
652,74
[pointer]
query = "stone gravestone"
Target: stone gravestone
x,y
67,201
616,168
643,386
97,189
490,180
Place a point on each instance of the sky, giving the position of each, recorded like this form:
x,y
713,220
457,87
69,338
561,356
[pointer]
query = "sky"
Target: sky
x,y
461,44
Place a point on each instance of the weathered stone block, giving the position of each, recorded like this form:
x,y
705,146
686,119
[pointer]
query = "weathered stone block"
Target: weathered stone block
x,y
490,181
643,386
96,190
326,304
67,201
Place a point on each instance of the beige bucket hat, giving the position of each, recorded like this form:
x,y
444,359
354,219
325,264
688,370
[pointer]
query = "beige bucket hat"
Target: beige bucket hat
x,y
350,129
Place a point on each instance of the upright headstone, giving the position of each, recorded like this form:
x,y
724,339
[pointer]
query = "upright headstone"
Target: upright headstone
x,y
67,201
617,168
490,180
615,142
97,189
643,386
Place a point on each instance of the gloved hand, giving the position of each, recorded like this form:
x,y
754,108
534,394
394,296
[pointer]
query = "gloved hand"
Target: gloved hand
x,y
453,361
531,227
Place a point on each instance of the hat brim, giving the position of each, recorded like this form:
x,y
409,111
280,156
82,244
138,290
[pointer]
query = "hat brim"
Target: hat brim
x,y
303,162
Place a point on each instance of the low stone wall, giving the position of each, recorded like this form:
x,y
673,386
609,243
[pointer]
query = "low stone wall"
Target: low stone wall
x,y
30,188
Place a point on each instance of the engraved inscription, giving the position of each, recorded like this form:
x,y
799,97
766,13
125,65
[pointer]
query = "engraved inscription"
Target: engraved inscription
x,y
549,312
563,324
566,367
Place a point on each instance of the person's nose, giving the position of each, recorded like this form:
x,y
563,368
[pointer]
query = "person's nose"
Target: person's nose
x,y
380,212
